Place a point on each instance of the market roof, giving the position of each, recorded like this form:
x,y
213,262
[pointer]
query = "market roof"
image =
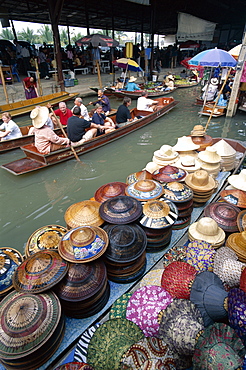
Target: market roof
x,y
126,15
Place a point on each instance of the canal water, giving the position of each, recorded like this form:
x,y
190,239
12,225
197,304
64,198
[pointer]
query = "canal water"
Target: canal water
x,y
31,201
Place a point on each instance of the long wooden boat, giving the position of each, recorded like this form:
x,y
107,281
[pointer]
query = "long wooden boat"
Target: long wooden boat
x,y
136,94
218,110
25,106
35,160
185,84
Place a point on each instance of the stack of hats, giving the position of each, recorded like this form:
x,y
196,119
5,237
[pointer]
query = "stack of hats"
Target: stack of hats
x,y
182,196
136,176
144,190
241,220
202,185
199,137
210,161
169,174
227,154
125,257
237,242
85,213
164,156
10,259
188,163
208,230
110,190
224,214
157,221
238,181
185,146
234,196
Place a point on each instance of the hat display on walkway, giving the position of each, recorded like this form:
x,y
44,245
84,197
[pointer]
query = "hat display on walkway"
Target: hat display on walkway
x,y
180,325
46,237
200,181
188,163
110,190
234,196
237,242
10,259
39,116
208,230
185,143
40,272
147,352
136,176
177,192
224,214
177,278
209,155
110,341
132,79
120,210
218,347
169,173
238,181
236,312
144,190
158,214
32,327
85,213
144,306
83,244
200,255
208,294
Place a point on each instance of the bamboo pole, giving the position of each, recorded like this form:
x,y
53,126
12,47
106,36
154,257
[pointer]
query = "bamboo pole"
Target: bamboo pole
x,y
39,82
64,133
99,74
4,85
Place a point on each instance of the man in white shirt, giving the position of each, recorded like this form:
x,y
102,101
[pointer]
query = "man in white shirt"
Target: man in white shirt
x,y
143,103
84,112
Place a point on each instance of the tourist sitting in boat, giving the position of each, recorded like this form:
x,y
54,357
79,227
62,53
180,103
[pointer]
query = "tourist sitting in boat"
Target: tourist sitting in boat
x,y
123,115
30,87
143,103
168,83
210,90
63,113
119,85
76,128
100,119
12,130
84,112
103,100
46,140
131,85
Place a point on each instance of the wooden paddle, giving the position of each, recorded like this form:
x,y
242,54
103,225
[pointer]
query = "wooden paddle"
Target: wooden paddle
x,y
63,131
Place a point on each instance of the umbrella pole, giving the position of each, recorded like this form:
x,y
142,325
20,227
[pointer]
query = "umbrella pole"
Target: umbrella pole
x,y
99,74
217,99
125,75
4,85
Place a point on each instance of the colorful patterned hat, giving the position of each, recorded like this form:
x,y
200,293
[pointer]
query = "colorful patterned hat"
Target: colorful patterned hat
x,y
209,296
153,277
200,255
144,190
146,352
80,353
110,190
180,325
75,366
236,312
177,279
158,214
121,210
144,306
230,272
177,192
235,197
169,173
10,259
83,244
224,214
136,176
118,309
110,341
85,213
218,347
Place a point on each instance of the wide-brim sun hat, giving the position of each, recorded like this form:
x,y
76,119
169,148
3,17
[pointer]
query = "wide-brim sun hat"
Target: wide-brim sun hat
x,y
110,190
10,260
208,230
120,210
214,81
209,155
144,190
132,79
85,213
39,116
185,143
200,180
238,181
224,214
237,242
188,163
152,167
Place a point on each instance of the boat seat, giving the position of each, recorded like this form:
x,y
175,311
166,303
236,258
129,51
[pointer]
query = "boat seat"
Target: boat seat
x,y
31,147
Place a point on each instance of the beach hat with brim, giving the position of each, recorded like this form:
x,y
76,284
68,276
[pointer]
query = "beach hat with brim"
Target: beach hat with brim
x,y
144,190
110,190
208,230
83,213
120,210
218,347
209,155
234,196
238,181
224,214
188,163
39,116
209,296
83,244
185,143
152,167
200,181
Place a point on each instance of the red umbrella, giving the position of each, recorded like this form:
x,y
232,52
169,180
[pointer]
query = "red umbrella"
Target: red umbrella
x,y
184,63
189,45
97,40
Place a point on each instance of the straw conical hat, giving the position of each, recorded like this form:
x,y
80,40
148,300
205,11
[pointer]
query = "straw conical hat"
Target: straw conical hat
x,y
208,230
185,143
224,149
238,181
209,155
83,214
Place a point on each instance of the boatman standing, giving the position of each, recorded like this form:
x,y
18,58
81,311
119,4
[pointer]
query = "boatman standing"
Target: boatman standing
x,y
103,100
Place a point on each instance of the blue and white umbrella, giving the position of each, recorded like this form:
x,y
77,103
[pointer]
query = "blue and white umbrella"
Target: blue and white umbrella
x,y
213,58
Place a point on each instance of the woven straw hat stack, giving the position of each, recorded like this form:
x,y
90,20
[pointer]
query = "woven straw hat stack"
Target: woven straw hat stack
x,y
199,137
185,146
208,230
203,186
210,161
165,155
227,153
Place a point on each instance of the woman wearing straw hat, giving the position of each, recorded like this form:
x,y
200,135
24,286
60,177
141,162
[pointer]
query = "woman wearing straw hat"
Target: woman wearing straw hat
x,y
46,140
132,86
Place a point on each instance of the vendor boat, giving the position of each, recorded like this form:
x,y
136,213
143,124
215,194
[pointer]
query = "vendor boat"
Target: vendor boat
x,y
217,111
137,93
185,84
35,160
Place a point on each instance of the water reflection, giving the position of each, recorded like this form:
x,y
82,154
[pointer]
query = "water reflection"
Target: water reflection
x,y
34,200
